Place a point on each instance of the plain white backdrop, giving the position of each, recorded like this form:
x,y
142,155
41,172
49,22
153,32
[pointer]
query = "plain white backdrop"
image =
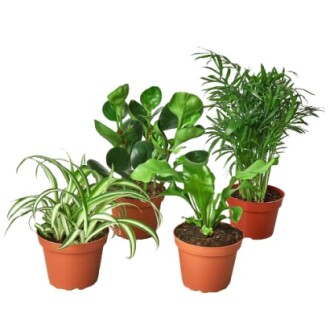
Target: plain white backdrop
x,y
59,60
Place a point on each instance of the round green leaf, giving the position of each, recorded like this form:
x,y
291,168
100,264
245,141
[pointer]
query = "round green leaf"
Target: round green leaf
x,y
118,158
118,96
138,113
141,152
109,111
151,98
197,157
99,168
187,107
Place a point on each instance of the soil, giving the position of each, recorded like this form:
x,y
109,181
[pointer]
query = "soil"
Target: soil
x,y
153,189
223,235
271,195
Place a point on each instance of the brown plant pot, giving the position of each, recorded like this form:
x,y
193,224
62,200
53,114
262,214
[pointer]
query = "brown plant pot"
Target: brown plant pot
x,y
74,267
141,211
206,269
258,219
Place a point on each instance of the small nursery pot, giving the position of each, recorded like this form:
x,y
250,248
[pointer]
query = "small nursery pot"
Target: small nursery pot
x,y
206,269
258,219
74,267
140,211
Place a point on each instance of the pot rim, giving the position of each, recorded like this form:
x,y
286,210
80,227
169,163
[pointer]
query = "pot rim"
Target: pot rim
x,y
282,193
209,248
75,248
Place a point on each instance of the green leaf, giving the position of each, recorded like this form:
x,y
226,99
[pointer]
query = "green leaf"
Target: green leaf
x,y
141,152
151,98
236,213
99,168
70,239
119,159
258,167
206,230
141,225
119,95
132,133
109,111
184,134
108,133
167,119
187,107
147,171
138,113
131,237
196,157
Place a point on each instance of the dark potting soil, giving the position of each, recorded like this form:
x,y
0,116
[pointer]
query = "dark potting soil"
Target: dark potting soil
x,y
223,235
153,189
271,195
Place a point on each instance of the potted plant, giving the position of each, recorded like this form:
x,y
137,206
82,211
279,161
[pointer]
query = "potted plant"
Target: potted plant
x,y
254,114
72,223
207,246
144,136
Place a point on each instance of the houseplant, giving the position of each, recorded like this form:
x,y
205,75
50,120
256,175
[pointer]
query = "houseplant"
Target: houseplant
x,y
72,223
144,136
254,112
207,247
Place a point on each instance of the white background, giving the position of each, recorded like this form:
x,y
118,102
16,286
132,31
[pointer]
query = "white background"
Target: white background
x,y
59,60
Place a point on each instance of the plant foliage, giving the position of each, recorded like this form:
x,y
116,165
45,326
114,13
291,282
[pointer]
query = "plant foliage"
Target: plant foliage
x,y
195,183
79,212
254,114
143,135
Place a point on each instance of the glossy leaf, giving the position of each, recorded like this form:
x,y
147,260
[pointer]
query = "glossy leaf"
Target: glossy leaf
x,y
138,113
119,95
196,157
187,108
98,167
141,152
151,98
108,133
167,119
119,159
185,134
109,111
145,172
132,133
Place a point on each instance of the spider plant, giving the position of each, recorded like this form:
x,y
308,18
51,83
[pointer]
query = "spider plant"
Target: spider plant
x,y
254,113
198,187
79,212
143,136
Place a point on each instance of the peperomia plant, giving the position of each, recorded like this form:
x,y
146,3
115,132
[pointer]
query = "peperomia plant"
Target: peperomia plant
x,y
143,136
195,184
254,114
79,212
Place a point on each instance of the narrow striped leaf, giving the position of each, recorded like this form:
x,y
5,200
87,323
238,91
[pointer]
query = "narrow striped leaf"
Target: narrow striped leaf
x,y
70,239
142,226
131,237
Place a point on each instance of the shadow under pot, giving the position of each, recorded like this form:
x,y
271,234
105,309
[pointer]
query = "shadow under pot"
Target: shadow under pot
x,y
258,219
74,267
139,210
205,268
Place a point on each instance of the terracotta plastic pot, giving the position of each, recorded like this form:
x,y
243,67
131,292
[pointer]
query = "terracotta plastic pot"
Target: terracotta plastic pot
x,y
258,219
74,267
141,211
206,269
